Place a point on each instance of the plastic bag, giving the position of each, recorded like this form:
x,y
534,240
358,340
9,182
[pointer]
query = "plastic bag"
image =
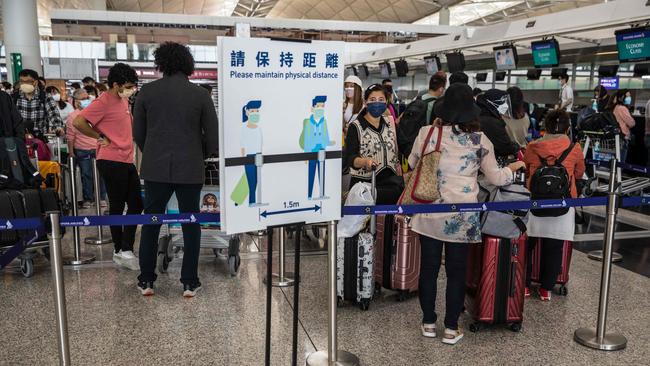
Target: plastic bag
x,y
351,225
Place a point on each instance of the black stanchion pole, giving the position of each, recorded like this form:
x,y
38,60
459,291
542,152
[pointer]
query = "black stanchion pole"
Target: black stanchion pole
x,y
296,295
269,273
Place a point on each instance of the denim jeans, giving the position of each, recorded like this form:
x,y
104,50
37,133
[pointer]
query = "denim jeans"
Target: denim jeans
x,y
456,268
86,167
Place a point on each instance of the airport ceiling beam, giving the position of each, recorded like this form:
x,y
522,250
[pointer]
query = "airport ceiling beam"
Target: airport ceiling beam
x,y
601,16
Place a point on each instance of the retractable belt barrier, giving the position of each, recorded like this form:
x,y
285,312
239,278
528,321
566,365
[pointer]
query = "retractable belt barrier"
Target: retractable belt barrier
x,y
201,218
624,166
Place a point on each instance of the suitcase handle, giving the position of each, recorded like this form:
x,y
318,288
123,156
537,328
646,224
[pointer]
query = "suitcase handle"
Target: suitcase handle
x,y
373,191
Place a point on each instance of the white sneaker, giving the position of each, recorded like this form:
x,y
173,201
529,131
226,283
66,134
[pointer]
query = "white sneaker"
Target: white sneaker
x,y
117,258
452,336
428,330
128,260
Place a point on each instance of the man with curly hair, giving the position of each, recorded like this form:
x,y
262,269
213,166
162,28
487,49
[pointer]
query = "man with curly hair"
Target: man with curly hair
x,y
108,120
175,126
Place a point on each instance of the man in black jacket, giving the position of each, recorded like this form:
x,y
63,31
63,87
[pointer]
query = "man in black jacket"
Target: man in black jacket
x,y
494,103
11,122
175,126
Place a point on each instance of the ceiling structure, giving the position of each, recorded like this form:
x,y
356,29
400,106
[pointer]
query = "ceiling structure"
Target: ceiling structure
x,y
462,12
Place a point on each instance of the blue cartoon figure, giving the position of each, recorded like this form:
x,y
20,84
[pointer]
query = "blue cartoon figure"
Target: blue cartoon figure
x,y
251,146
315,138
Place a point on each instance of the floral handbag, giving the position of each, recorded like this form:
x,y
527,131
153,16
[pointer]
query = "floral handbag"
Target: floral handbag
x,y
422,182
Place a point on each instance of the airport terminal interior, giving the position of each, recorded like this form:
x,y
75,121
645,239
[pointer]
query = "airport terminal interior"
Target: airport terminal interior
x,y
105,102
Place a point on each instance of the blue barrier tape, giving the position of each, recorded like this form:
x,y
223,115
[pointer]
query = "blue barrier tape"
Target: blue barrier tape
x,y
624,166
472,207
146,219
20,224
10,254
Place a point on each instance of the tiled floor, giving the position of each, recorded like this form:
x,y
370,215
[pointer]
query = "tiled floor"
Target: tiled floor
x,y
110,324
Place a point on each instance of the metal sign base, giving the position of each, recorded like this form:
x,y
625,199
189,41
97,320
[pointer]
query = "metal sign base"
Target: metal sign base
x,y
597,255
83,259
95,241
344,358
276,281
589,338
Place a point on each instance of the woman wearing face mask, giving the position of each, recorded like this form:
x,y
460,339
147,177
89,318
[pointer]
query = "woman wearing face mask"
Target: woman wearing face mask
x,y
494,104
92,92
84,149
65,108
620,105
371,143
353,99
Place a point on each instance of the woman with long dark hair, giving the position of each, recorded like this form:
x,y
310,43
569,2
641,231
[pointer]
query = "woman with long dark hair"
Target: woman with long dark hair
x,y
620,105
517,123
65,108
465,151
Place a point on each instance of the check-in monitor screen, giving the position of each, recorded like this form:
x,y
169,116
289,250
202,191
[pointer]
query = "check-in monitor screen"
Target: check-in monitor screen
x,y
546,53
633,44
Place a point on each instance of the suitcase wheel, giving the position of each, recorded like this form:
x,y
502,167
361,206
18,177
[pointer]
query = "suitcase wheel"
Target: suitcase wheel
x,y
364,304
377,289
27,267
563,290
402,296
474,327
233,264
219,253
515,327
339,302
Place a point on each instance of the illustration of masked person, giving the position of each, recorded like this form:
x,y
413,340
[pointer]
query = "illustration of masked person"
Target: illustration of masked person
x,y
315,138
251,144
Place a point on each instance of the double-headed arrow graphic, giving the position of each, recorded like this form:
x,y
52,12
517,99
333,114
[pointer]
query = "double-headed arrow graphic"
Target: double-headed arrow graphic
x,y
265,214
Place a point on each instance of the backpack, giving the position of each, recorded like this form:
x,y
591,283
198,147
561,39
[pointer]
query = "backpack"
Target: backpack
x,y
598,122
583,115
411,121
16,170
551,182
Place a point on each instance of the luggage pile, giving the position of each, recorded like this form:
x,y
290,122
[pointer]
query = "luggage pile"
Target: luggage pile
x,y
23,194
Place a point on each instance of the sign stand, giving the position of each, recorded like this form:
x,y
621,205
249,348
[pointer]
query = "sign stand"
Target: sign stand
x,y
598,338
296,293
282,278
333,356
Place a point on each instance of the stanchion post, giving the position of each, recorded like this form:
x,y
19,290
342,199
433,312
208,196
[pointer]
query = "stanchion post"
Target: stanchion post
x,y
269,274
282,278
597,255
333,356
99,240
79,257
59,289
599,338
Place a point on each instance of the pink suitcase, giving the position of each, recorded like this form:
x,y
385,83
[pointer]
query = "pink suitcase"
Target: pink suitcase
x,y
397,255
563,277
496,278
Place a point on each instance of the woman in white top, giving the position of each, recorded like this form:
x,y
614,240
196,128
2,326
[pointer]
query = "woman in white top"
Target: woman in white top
x,y
517,122
465,151
353,99
65,108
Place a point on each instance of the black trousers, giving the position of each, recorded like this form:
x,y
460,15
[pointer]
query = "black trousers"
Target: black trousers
x,y
123,189
550,262
157,196
456,269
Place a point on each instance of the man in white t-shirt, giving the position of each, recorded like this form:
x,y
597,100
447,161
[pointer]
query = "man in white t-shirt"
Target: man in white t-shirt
x,y
566,93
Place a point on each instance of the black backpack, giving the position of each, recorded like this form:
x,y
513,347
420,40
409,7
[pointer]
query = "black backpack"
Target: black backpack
x,y
598,122
551,182
411,121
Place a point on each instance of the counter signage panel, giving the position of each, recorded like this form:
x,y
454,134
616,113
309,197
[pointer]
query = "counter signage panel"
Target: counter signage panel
x,y
546,53
633,44
610,83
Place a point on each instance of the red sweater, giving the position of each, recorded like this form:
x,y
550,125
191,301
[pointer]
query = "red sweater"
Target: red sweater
x,y
551,148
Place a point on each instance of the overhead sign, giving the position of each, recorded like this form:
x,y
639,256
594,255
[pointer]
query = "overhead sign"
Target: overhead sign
x,y
280,132
69,68
633,44
610,83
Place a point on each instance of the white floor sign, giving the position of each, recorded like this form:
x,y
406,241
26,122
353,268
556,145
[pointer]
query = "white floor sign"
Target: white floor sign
x,y
280,132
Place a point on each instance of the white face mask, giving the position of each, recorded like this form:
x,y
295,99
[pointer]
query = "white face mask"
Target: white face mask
x,y
56,97
91,97
349,92
27,88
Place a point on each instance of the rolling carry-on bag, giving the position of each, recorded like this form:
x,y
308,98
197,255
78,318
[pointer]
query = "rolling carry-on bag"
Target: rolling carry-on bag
x,y
563,277
397,255
354,269
354,264
496,279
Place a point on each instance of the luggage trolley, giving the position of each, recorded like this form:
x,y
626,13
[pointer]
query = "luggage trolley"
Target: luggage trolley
x,y
222,245
603,147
